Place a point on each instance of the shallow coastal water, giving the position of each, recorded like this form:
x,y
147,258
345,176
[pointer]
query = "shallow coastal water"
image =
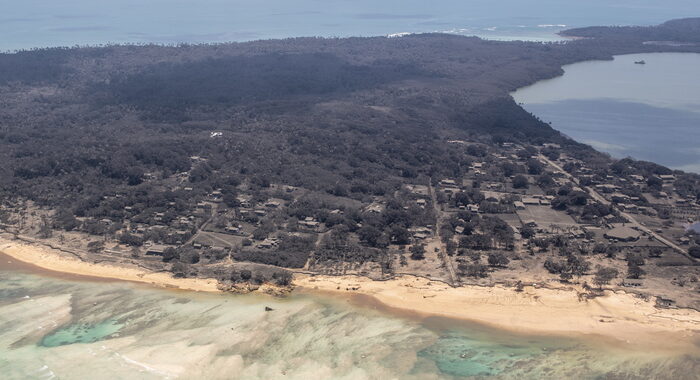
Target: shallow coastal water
x,y
39,23
647,111
59,328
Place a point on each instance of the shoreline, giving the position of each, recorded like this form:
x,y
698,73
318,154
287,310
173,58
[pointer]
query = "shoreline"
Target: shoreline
x,y
52,260
620,317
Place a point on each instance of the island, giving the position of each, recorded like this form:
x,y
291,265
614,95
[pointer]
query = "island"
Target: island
x,y
398,168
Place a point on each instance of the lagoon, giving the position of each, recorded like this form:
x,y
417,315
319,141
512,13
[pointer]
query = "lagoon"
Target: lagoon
x,y
646,111
57,327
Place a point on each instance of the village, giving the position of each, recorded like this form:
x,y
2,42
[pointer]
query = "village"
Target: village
x,y
518,214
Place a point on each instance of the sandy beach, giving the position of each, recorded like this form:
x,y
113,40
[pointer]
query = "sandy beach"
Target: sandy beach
x,y
54,260
536,310
623,317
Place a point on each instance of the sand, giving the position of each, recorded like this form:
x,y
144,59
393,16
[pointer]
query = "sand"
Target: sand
x,y
54,260
536,310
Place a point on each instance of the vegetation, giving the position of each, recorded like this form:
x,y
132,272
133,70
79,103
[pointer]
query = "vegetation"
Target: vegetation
x,y
332,155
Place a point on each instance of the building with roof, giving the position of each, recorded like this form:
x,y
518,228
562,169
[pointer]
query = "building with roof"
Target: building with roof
x,y
622,233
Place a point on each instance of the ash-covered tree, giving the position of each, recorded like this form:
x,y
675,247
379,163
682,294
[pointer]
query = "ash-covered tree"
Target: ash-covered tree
x,y
604,275
418,252
498,259
282,278
474,270
170,254
634,270
694,251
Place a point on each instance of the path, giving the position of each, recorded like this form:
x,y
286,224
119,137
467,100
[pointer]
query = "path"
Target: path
x,y
447,261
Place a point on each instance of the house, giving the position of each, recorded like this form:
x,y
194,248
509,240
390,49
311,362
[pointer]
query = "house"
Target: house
x,y
156,250
630,207
619,197
519,205
577,233
459,230
272,204
266,244
426,230
448,183
421,202
420,236
667,178
233,229
606,188
309,222
622,233
531,201
215,196
243,201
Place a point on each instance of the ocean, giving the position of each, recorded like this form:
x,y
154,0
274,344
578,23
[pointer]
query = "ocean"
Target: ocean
x,y
39,23
649,112
59,328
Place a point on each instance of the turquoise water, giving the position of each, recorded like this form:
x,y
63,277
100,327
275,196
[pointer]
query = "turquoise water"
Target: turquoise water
x,y
82,333
649,112
39,23
59,329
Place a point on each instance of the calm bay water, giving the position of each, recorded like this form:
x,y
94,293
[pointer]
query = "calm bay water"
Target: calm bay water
x,y
39,23
54,328
649,112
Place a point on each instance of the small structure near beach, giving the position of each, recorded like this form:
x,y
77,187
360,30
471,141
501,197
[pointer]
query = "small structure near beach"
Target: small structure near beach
x,y
156,250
